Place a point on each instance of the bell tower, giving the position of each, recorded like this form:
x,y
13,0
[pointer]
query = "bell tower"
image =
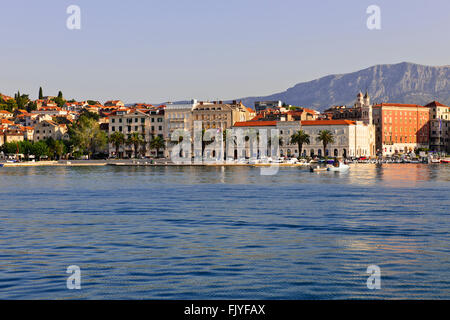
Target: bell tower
x,y
366,108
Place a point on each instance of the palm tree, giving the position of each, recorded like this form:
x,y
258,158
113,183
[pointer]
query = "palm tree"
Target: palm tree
x,y
326,136
117,139
300,137
135,139
143,148
157,143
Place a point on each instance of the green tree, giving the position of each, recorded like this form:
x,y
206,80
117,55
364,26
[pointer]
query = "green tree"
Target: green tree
x,y
117,139
41,95
92,102
157,143
39,149
87,137
135,139
326,137
56,148
21,100
300,138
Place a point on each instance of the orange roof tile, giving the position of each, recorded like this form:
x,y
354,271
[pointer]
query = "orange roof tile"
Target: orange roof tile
x,y
255,123
326,122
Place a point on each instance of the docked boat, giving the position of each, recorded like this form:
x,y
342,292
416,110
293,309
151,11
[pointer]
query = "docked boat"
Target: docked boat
x,y
342,167
446,160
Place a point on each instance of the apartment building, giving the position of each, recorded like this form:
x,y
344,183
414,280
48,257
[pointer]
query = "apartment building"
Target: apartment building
x,y
439,127
401,128
49,129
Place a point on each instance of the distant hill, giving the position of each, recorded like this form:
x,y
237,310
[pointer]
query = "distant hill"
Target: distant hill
x,y
402,83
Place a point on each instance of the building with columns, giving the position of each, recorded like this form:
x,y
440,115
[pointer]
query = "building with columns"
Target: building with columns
x,y
351,138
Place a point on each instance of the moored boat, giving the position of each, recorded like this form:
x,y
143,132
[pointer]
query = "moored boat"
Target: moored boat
x,y
340,168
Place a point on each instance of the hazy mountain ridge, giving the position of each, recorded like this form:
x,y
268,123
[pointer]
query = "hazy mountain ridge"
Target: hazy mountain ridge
x,y
401,83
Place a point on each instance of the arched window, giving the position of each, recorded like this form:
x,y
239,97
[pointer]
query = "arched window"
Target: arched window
x,y
312,152
336,152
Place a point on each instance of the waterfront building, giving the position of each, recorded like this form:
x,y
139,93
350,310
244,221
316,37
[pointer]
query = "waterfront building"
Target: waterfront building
x,y
220,115
400,128
147,122
351,138
49,129
13,135
177,116
439,127
245,150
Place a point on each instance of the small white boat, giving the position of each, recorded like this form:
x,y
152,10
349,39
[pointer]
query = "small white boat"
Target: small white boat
x,y
342,167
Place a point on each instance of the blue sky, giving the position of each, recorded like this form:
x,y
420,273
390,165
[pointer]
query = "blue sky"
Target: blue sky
x,y
155,51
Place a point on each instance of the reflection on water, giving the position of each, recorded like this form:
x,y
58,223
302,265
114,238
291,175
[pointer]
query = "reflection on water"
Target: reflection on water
x,y
224,232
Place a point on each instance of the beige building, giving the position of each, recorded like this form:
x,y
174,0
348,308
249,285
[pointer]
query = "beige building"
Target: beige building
x,y
221,115
6,114
351,138
148,123
49,129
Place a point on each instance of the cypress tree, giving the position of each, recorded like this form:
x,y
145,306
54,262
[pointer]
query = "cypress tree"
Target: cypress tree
x,y
40,93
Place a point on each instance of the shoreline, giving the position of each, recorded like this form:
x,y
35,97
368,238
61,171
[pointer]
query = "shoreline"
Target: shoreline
x,y
134,163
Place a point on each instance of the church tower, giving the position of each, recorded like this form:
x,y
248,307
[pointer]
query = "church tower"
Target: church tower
x,y
366,108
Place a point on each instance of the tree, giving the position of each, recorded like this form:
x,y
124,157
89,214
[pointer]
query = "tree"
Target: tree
x,y
92,102
136,140
326,137
87,137
60,95
41,95
157,143
59,100
39,149
117,139
56,148
21,100
300,137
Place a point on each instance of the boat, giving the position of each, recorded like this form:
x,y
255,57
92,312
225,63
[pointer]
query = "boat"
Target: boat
x,y
339,166
1,165
317,169
342,167
445,160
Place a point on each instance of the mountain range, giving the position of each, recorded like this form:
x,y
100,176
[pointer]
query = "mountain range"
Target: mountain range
x,y
400,83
